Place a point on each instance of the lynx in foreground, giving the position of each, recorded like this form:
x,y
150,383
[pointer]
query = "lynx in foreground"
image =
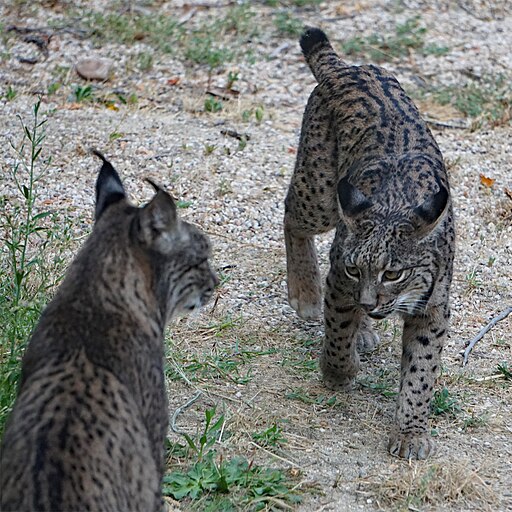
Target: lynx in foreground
x,y
88,427
368,165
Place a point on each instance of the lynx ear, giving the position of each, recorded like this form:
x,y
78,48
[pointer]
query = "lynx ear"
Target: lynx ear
x,y
352,200
158,222
428,214
109,188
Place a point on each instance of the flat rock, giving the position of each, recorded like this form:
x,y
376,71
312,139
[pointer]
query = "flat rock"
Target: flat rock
x,y
93,68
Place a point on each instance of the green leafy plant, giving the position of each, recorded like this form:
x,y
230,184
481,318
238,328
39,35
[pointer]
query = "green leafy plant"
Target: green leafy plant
x,y
472,280
10,94
53,88
408,36
236,484
303,364
382,385
28,272
208,437
225,484
489,98
239,19
212,367
83,93
115,135
144,61
504,370
158,31
258,114
183,204
308,398
242,143
203,49
212,104
472,422
272,436
232,78
443,403
209,148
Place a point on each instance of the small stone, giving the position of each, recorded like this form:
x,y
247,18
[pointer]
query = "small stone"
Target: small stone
x,y
93,68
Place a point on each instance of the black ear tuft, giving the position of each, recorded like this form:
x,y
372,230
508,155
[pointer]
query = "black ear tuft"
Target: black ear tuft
x,y
352,200
430,211
109,188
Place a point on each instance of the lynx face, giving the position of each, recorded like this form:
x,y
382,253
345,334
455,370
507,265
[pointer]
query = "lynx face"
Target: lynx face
x,y
176,252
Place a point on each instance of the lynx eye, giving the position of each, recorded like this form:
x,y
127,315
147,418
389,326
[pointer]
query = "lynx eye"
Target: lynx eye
x,y
352,272
392,275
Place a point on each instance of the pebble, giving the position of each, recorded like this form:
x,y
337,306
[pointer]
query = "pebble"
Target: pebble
x,y
94,68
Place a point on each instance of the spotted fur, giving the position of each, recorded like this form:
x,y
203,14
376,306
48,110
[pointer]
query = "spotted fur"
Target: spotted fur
x,y
368,165
88,427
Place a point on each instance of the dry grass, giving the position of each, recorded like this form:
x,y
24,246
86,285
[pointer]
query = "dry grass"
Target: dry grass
x,y
417,485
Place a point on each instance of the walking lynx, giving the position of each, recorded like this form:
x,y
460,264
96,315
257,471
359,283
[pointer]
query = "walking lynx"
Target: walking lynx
x,y
88,427
368,165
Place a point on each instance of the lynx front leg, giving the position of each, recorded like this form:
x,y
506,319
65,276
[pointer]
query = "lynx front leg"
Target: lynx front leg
x,y
339,361
423,341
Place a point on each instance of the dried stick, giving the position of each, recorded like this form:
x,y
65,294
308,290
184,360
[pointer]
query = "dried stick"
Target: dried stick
x,y
483,331
180,409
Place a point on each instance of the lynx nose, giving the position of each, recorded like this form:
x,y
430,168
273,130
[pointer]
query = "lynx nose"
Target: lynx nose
x,y
368,300
368,306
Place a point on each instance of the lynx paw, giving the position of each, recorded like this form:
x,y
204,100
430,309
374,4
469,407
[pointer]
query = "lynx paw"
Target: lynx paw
x,y
411,446
336,379
305,300
367,340
306,310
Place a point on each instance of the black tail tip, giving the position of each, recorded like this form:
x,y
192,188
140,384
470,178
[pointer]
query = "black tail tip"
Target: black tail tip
x,y
310,38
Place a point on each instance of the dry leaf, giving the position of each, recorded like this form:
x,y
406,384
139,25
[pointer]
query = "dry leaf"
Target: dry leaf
x,y
484,180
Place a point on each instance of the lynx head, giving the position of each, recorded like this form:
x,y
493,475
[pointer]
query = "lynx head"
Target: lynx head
x,y
172,253
390,255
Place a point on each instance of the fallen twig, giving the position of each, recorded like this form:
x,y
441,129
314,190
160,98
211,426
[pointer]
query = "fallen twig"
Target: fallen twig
x,y
235,134
483,331
48,31
442,124
180,409
287,461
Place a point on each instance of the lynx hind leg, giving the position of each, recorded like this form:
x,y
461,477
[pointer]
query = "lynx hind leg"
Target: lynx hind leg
x,y
310,206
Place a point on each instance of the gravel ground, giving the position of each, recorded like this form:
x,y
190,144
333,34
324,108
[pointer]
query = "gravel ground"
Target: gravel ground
x,y
235,192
